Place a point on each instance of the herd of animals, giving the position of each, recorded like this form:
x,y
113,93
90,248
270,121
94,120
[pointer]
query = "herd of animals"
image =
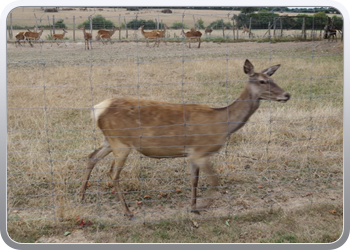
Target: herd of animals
x,y
105,35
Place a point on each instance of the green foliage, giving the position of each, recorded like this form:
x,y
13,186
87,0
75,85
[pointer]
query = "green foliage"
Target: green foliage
x,y
98,22
60,24
178,25
200,24
137,23
219,24
246,10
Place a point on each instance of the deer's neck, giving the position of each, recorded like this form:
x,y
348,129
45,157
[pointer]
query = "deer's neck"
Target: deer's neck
x,y
239,112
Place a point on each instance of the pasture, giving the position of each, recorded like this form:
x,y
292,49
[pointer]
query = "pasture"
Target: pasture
x,y
281,175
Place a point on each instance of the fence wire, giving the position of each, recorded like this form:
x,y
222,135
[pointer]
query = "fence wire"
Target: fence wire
x,y
287,154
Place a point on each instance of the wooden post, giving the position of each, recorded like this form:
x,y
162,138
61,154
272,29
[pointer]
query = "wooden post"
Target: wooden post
x,y
269,29
223,28
237,27
74,28
274,27
11,30
158,22
48,20
281,21
53,24
119,27
303,29
126,28
250,27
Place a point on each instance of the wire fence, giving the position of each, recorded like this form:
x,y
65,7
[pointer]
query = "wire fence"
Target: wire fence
x,y
287,155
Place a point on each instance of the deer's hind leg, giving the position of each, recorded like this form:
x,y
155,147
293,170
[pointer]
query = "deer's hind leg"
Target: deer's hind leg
x,y
94,157
120,153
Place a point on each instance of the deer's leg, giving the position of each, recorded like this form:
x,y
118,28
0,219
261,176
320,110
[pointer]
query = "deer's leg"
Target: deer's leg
x,y
202,164
194,178
121,153
199,42
94,157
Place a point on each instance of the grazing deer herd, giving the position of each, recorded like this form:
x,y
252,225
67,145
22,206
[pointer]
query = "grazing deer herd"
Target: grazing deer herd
x,y
105,36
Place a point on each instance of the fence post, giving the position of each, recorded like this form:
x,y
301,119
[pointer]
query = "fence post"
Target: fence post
x,y
274,27
53,24
237,27
11,29
119,27
269,29
281,21
303,32
74,28
126,28
48,20
250,27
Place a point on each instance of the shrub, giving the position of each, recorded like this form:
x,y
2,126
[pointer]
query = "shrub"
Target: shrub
x,y
98,22
137,23
178,25
60,24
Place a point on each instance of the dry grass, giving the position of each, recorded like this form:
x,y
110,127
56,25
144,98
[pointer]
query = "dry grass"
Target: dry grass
x,y
283,168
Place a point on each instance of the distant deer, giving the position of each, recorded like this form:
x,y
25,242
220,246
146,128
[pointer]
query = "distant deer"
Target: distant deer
x,y
87,37
208,30
154,34
332,33
245,30
165,130
30,35
106,34
193,34
162,33
19,37
59,37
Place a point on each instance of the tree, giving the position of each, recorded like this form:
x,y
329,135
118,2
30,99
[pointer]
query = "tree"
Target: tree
x,y
246,10
98,22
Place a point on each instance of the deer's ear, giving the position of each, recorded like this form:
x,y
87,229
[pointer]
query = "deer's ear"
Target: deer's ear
x,y
248,68
270,71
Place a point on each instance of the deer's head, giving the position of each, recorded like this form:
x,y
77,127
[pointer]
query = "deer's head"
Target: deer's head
x,y
262,86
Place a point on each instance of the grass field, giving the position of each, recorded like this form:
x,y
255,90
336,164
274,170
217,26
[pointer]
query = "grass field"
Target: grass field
x,y
281,176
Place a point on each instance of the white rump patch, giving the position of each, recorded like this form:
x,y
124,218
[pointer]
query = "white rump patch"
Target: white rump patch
x,y
99,108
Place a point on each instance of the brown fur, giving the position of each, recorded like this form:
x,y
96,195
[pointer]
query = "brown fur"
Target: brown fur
x,y
59,36
208,30
165,130
154,34
30,35
193,34
106,34
87,37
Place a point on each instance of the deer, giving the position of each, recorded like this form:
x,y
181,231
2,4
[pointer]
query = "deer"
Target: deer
x,y
154,34
87,37
208,30
162,33
20,36
193,34
59,37
245,30
106,34
159,129
332,33
30,35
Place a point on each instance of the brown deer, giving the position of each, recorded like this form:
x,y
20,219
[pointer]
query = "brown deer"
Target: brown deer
x,y
30,35
245,30
106,34
332,33
166,130
154,34
19,37
208,30
87,37
56,37
193,34
162,33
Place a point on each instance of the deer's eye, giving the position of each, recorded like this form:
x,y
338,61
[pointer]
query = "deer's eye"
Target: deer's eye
x,y
262,82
